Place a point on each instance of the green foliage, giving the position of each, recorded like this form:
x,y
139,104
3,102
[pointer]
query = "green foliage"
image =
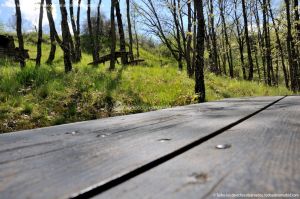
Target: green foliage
x,y
27,109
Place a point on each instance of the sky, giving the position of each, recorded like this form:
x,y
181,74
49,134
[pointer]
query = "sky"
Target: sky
x,y
30,12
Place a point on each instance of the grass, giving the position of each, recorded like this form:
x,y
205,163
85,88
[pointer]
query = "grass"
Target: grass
x,y
45,96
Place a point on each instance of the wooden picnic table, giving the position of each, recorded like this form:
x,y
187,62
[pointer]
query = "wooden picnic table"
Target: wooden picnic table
x,y
233,146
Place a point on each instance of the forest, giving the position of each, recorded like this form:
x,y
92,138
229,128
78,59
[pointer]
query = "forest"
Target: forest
x,y
143,55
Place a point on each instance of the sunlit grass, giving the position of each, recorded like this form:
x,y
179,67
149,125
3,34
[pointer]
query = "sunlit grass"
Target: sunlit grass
x,y
44,96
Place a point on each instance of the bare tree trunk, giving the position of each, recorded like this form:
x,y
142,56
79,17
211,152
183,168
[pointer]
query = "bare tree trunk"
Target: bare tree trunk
x,y
261,42
19,34
131,58
291,49
97,39
280,48
297,29
51,56
199,70
223,52
240,40
228,45
255,48
194,39
296,15
76,30
189,40
124,59
91,33
267,52
178,38
250,61
40,35
113,36
136,41
53,32
66,35
215,67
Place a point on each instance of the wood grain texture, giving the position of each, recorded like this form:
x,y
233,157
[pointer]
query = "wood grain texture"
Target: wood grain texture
x,y
59,161
264,157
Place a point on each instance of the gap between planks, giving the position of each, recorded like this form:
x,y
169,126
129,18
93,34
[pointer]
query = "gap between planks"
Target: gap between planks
x,y
98,189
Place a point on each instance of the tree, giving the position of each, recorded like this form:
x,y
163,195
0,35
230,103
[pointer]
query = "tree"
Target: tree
x,y
91,32
97,36
280,48
40,35
75,22
291,49
53,32
227,43
267,52
174,12
212,34
124,59
250,61
260,43
199,68
240,38
20,34
189,40
161,25
66,37
134,17
131,58
113,36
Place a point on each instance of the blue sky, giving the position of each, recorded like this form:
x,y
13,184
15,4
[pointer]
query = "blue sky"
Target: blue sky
x,y
30,12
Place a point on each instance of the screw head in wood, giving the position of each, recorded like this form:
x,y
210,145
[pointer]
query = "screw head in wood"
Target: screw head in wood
x,y
164,140
223,146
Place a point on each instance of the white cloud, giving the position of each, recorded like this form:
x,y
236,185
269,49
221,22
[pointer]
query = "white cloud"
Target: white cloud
x,y
30,10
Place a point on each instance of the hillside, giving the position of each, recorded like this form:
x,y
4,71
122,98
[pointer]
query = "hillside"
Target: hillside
x,y
32,98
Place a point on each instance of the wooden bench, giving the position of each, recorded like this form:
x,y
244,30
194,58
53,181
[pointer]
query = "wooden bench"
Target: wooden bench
x,y
233,146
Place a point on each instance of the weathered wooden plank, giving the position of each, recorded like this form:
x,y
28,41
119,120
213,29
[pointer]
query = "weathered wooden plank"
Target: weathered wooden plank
x,y
59,161
264,158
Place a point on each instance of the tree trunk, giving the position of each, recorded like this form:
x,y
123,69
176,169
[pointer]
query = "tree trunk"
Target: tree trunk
x,y
267,52
297,29
66,35
51,56
124,59
76,30
291,49
131,58
91,33
240,40
215,68
280,48
228,45
194,39
20,35
261,42
250,61
40,35
189,40
113,36
199,70
178,38
136,40
97,33
53,32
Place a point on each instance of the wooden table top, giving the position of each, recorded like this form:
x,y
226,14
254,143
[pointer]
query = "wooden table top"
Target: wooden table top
x,y
210,150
